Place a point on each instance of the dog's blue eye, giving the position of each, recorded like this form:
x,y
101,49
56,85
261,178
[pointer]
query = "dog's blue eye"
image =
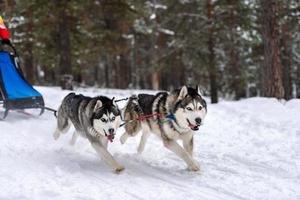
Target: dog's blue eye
x,y
103,120
188,108
113,119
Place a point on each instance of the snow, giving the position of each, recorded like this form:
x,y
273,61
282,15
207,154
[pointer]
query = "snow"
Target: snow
x,y
167,31
249,149
156,5
153,16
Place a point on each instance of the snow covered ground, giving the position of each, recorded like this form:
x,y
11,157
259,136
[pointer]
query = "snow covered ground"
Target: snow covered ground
x,y
248,149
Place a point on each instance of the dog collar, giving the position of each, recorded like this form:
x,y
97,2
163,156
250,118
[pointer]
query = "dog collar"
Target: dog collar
x,y
171,117
173,123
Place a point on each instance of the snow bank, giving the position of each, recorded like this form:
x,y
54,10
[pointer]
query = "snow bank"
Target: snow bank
x,y
247,150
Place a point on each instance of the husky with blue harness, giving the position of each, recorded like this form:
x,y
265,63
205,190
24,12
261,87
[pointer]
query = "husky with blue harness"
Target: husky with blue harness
x,y
171,116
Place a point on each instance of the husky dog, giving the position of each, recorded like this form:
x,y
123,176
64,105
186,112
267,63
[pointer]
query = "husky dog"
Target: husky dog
x,y
93,118
175,116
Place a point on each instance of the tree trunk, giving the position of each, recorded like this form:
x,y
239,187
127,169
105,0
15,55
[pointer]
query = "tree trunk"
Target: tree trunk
x,y
9,5
211,58
29,65
136,64
286,62
286,52
107,71
155,75
298,83
155,80
236,82
124,65
64,44
272,71
28,54
114,72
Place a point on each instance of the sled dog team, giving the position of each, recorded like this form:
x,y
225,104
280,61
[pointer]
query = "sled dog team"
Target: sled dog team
x,y
171,116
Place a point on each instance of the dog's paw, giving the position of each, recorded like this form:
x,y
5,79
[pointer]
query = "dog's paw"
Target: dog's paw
x,y
123,138
194,167
72,142
56,135
119,169
140,150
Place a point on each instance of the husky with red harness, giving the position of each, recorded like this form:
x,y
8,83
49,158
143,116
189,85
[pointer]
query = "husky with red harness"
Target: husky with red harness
x,y
172,117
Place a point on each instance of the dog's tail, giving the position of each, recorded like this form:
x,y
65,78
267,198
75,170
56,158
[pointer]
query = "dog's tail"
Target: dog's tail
x,y
131,113
66,101
69,96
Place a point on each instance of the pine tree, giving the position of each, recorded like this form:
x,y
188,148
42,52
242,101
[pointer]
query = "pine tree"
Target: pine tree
x,y
272,69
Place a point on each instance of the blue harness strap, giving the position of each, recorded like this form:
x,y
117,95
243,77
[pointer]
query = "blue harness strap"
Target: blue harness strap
x,y
171,117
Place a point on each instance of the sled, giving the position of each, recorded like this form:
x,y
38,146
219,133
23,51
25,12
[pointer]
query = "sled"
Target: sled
x,y
16,92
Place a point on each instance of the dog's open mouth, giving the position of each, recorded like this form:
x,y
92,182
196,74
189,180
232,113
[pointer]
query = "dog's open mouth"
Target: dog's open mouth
x,y
192,126
109,136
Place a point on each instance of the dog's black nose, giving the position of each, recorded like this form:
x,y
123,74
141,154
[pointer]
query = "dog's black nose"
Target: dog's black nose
x,y
111,131
198,120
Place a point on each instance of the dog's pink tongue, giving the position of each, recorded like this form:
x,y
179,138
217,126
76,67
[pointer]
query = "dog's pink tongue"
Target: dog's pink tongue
x,y
192,125
110,137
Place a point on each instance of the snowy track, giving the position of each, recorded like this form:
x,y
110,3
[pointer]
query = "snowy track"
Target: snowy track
x,y
247,150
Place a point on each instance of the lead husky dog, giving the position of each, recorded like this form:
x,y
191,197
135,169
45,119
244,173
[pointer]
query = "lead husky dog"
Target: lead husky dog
x,y
176,116
93,118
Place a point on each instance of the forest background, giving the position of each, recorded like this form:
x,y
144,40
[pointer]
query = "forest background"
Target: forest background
x,y
231,48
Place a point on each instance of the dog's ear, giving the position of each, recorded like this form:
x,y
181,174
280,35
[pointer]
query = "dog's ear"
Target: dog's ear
x,y
183,92
116,110
98,105
199,90
114,102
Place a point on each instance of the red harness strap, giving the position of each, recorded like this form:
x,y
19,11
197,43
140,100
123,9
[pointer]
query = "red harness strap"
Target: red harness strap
x,y
142,117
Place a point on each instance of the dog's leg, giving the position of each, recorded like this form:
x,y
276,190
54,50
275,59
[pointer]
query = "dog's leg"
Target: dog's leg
x,y
179,151
74,138
63,123
104,141
124,137
143,141
62,127
56,134
131,130
188,144
107,157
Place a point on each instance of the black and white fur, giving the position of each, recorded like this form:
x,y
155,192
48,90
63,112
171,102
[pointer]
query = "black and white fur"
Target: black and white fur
x,y
96,119
187,107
